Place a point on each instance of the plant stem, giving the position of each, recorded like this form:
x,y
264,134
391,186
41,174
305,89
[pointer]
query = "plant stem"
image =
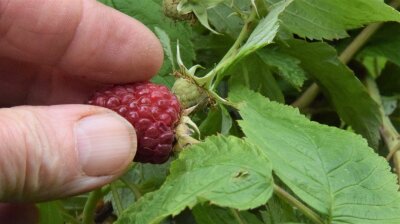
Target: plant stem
x,y
230,56
90,206
237,216
135,190
298,204
312,92
117,200
388,131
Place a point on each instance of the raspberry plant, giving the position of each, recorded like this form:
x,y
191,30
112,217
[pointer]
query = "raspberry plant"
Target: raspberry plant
x,y
296,119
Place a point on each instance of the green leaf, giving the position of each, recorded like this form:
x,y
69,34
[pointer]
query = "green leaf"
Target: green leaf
x,y
329,19
208,214
288,66
385,43
389,80
224,171
199,8
332,170
256,75
218,121
347,94
150,13
265,31
226,20
50,213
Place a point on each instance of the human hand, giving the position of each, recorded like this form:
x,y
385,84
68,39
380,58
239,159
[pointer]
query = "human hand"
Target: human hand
x,y
59,52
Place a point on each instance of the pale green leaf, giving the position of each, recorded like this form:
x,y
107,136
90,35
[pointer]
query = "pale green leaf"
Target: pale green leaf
x,y
265,31
347,94
329,19
332,170
224,171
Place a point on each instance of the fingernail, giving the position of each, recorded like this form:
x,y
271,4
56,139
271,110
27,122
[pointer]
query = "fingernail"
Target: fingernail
x,y
106,144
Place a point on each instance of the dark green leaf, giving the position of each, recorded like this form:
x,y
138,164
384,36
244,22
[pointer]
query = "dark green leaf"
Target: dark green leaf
x,y
329,19
339,84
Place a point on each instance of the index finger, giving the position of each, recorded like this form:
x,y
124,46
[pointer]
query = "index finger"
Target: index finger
x,y
81,38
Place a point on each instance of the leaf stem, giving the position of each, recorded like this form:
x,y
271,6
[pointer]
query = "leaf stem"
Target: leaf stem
x,y
361,39
90,206
237,216
298,204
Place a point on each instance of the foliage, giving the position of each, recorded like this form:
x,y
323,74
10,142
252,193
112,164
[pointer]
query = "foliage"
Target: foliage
x,y
257,158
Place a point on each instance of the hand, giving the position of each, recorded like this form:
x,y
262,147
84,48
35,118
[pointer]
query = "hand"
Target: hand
x,y
58,52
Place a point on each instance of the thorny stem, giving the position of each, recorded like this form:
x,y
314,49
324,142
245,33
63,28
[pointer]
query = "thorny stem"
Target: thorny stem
x,y
312,92
90,206
298,204
388,131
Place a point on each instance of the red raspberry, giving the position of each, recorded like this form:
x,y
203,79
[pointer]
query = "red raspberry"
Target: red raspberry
x,y
154,112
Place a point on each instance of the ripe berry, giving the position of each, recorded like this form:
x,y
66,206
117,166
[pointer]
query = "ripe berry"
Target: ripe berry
x,y
154,112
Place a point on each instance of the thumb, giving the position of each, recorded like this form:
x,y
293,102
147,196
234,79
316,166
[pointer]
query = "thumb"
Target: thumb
x,y
57,151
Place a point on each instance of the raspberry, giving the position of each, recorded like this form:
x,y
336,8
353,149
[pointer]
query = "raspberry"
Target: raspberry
x,y
154,112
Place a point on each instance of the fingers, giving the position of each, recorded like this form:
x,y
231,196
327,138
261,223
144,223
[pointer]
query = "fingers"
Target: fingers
x,y
80,37
58,151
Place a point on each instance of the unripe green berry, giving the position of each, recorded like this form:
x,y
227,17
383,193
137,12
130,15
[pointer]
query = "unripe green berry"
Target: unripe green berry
x,y
171,11
188,93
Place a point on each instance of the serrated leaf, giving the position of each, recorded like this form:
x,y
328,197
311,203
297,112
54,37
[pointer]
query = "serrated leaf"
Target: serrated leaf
x,y
347,94
226,20
288,66
265,31
255,75
332,170
329,19
166,43
385,43
225,171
